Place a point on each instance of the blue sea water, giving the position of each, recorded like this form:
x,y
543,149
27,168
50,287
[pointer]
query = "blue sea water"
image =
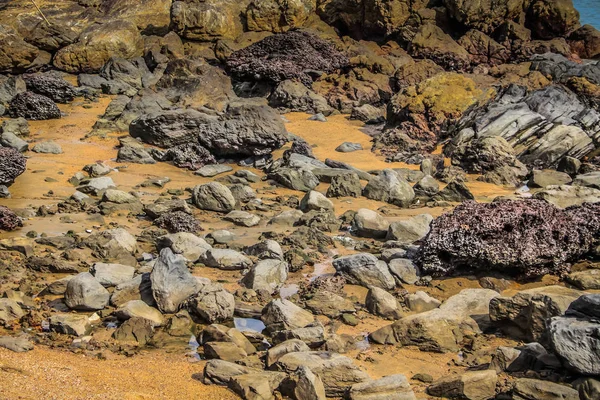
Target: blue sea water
x,y
589,11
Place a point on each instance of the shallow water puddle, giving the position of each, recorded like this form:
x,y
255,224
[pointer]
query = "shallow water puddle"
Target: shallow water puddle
x,y
248,325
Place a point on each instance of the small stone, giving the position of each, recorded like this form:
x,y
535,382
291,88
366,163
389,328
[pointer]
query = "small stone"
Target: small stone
x,y
348,147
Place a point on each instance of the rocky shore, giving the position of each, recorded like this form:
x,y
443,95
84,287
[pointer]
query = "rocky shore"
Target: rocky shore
x,y
300,199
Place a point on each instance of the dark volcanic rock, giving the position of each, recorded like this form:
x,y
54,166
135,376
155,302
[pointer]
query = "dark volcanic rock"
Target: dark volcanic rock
x,y
244,129
33,106
57,89
12,165
524,238
9,220
178,221
286,56
189,155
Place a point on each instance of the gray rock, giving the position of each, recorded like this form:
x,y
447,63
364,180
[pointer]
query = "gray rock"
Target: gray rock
x,y
112,274
139,288
455,192
220,372
135,155
405,270
256,385
47,148
314,200
369,223
318,117
221,236
308,386
524,315
18,126
242,218
591,180
472,385
566,196
9,139
389,187
575,342
420,301
163,206
60,286
242,193
190,246
225,259
213,303
283,314
297,179
119,197
585,280
10,311
286,218
16,344
345,185
534,389
70,324
441,329
172,282
410,230
267,249
569,165
364,269
247,175
368,114
337,372
544,178
289,346
267,275
291,95
383,304
391,387
330,304
348,147
208,171
85,293
112,243
139,309
213,196
427,186
96,185
588,388
314,335
139,330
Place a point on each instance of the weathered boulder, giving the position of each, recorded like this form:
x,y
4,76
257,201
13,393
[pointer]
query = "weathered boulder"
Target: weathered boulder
x,y
112,274
13,164
364,269
566,196
139,309
389,387
294,96
97,44
432,43
525,388
383,304
213,196
51,86
208,20
550,19
410,230
178,221
484,15
545,178
85,293
225,259
15,54
314,200
184,243
337,372
33,106
388,186
285,56
443,328
10,311
213,303
277,15
267,275
369,223
172,282
472,385
258,129
524,315
297,179
283,314
505,236
345,185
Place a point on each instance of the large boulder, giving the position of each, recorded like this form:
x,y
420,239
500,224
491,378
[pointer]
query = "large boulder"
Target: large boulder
x,y
548,19
9,221
12,165
85,293
15,54
213,196
432,43
267,275
337,372
33,106
52,86
208,20
213,303
278,15
366,270
485,15
527,238
150,16
566,196
524,316
172,282
243,129
442,329
97,44
562,125
390,187
285,56
472,385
